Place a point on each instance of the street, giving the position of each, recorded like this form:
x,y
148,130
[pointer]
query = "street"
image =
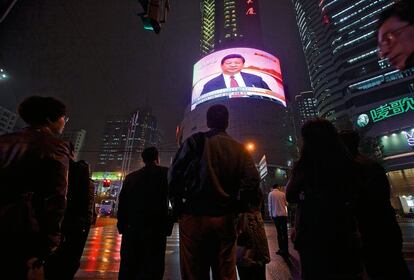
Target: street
x,y
101,259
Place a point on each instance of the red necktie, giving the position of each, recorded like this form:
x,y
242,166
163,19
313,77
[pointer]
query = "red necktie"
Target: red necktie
x,y
233,82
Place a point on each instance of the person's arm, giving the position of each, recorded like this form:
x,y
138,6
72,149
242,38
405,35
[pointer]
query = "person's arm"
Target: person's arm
x,y
122,214
270,203
264,84
250,179
176,173
53,196
294,186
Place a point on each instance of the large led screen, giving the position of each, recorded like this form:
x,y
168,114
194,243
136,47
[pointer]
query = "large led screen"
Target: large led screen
x,y
237,73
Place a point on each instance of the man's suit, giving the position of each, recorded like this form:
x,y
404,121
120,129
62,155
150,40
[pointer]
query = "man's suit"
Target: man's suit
x,y
250,80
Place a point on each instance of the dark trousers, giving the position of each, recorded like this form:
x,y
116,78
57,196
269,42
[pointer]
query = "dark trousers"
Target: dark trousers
x,y
15,254
142,255
64,264
282,233
319,263
208,242
252,273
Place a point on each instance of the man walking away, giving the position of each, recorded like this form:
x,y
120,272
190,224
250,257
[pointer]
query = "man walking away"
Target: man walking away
x,y
143,220
211,176
277,210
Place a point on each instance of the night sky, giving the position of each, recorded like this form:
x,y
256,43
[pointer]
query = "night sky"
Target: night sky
x,y
96,57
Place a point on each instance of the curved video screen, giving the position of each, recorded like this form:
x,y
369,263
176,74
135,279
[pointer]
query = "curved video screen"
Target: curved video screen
x,y
237,73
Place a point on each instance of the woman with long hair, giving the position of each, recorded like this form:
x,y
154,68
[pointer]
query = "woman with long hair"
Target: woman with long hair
x,y
323,185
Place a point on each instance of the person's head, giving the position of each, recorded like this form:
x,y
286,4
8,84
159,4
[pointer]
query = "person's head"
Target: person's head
x,y
232,64
217,117
396,34
318,132
38,111
150,156
350,138
276,186
323,156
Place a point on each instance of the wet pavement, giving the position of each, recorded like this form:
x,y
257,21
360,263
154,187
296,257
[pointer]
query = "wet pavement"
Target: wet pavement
x,y
101,259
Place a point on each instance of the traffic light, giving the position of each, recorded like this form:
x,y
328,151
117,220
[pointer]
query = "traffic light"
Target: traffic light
x,y
155,13
106,183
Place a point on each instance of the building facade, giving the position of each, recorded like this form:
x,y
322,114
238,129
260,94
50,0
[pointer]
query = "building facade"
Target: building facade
x,y
8,120
354,87
305,107
234,26
124,138
229,23
77,138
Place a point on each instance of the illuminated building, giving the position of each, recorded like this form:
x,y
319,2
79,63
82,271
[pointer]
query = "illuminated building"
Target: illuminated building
x,y
352,85
257,106
124,138
77,138
229,23
306,107
8,120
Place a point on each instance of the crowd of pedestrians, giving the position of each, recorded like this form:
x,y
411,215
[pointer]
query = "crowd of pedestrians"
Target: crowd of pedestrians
x,y
344,228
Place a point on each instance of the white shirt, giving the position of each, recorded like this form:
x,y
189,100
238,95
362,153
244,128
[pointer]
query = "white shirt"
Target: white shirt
x,y
277,204
238,77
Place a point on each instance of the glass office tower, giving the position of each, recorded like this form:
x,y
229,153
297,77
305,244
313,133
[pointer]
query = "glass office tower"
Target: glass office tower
x,y
354,87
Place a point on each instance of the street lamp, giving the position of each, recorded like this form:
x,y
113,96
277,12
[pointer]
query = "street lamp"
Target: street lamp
x,y
250,146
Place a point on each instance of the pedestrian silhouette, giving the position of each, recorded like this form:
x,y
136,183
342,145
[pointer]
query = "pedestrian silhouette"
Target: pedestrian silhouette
x,y
324,185
34,165
211,179
143,220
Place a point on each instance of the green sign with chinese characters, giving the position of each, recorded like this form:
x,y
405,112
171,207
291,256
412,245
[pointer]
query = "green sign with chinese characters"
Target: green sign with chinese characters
x,y
392,108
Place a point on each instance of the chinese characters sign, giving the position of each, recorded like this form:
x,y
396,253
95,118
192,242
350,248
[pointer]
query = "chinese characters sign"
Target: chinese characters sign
x,y
250,8
392,108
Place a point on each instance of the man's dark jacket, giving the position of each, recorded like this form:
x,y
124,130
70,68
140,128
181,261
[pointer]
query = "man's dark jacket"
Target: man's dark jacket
x,y
34,175
143,223
227,177
144,200
250,80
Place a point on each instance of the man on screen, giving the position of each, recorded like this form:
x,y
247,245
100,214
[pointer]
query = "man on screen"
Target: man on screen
x,y
231,65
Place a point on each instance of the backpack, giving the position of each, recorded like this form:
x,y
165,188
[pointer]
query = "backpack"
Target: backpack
x,y
80,196
191,176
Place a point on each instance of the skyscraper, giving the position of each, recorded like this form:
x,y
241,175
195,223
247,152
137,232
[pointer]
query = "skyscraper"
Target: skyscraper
x,y
8,120
258,113
306,107
124,138
339,42
229,23
77,138
353,86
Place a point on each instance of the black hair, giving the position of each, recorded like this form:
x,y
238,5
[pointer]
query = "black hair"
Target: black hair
x,y
38,110
275,186
149,155
324,158
233,55
351,139
218,117
402,10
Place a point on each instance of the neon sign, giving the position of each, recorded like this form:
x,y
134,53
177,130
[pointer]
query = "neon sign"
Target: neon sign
x,y
410,137
250,9
392,108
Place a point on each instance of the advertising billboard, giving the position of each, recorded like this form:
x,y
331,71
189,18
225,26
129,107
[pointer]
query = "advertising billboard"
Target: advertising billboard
x,y
237,73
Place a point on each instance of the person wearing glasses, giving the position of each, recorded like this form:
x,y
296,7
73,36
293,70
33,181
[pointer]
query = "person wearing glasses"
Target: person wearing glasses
x,y
34,165
396,35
